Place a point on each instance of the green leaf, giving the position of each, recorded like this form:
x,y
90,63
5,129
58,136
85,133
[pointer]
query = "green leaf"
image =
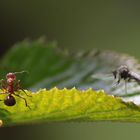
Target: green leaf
x,y
70,105
50,67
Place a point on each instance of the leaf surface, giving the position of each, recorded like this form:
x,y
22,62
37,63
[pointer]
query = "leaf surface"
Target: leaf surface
x,y
50,67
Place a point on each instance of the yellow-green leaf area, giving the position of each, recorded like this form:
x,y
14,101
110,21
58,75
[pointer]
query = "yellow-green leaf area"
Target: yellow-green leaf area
x,y
67,105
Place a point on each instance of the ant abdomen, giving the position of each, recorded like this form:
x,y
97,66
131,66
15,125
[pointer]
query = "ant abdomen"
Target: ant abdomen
x,y
10,100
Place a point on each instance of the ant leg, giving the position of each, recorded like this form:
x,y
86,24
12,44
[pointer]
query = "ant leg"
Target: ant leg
x,y
0,99
18,87
23,99
3,84
25,93
3,92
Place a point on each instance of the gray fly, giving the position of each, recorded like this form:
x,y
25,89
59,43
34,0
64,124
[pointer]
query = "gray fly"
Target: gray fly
x,y
124,73
121,73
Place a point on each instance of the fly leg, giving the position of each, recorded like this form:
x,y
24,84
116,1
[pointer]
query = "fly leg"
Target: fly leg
x,y
125,84
118,81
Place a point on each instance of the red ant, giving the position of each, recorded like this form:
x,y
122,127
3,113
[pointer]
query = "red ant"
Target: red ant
x,y
12,85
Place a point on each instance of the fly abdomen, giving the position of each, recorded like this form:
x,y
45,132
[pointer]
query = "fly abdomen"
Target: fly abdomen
x,y
135,76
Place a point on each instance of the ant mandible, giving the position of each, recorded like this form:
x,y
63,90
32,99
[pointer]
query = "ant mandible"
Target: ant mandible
x,y
10,86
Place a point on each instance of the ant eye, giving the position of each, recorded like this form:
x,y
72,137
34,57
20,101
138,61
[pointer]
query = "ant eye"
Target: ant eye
x,y
10,101
10,75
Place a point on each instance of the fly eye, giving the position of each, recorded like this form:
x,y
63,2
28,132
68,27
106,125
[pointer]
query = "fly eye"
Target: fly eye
x,y
10,101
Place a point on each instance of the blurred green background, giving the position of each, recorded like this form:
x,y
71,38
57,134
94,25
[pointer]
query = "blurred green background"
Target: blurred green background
x,y
76,25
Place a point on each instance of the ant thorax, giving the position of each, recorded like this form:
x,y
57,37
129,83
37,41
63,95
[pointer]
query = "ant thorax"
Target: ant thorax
x,y
10,81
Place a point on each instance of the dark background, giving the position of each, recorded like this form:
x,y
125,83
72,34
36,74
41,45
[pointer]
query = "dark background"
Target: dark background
x,y
76,25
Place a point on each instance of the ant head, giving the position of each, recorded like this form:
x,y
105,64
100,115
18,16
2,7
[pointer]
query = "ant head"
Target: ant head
x,y
11,75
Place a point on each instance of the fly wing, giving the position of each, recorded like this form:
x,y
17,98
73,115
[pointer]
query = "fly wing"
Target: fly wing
x,y
101,76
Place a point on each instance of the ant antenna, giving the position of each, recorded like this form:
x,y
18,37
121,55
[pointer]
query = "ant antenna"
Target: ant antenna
x,y
21,72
